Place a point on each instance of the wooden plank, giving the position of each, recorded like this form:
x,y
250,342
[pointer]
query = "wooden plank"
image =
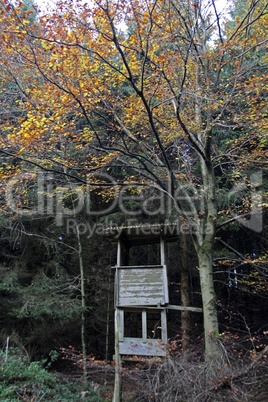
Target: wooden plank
x,y
141,308
141,347
144,324
165,284
136,266
117,379
163,254
143,234
116,288
182,308
141,287
167,307
119,253
121,324
164,326
163,251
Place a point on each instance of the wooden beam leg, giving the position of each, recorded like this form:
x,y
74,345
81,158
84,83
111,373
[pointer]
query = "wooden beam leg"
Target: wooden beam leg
x,y
164,325
144,324
117,379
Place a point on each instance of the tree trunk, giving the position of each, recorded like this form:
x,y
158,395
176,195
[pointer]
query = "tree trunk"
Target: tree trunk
x,y
108,319
83,304
205,248
185,292
209,303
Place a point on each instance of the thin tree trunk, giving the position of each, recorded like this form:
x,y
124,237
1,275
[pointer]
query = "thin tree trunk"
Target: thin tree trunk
x,y
83,299
83,304
204,242
107,321
185,292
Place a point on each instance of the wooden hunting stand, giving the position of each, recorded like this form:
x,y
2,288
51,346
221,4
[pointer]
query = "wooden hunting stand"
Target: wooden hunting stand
x,y
141,292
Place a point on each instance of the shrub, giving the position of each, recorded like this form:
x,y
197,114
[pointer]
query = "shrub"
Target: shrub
x,y
238,375
24,380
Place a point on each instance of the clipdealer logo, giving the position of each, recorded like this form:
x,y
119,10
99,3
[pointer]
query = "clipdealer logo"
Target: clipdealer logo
x,y
68,200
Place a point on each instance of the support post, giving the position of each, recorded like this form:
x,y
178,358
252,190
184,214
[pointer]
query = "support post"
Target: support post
x,y
163,251
144,324
163,256
118,323
164,326
117,379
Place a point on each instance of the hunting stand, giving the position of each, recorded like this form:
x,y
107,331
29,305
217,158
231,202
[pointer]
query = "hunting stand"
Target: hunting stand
x,y
141,295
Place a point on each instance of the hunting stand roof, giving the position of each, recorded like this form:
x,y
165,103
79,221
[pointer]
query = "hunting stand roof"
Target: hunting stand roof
x,y
143,234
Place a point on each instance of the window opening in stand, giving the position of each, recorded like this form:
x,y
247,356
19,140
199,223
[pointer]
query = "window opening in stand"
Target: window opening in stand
x,y
148,254
132,324
154,330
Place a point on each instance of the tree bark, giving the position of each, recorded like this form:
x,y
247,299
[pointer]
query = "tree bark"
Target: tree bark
x,y
83,304
205,257
204,242
211,328
185,292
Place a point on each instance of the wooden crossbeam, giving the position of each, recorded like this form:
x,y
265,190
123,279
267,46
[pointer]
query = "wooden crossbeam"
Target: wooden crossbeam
x,y
167,307
183,308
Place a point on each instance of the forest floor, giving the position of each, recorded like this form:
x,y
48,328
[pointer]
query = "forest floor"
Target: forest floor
x,y
185,379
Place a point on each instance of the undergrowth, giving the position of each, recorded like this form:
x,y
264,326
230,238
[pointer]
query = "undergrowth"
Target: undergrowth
x,y
32,381
239,374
